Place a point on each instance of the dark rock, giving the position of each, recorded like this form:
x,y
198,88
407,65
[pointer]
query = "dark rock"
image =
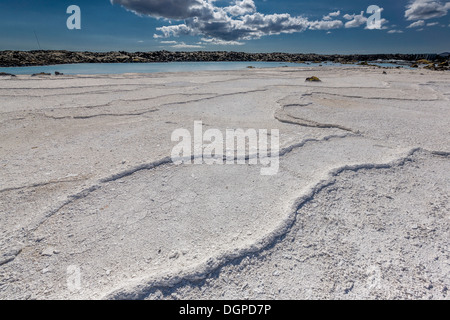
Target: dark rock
x,y
41,74
313,79
4,74
58,73
423,61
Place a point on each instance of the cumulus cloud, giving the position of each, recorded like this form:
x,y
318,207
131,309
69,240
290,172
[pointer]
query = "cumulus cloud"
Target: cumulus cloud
x,y
325,25
417,24
170,9
356,20
183,45
426,9
230,24
382,25
331,15
241,8
219,42
168,31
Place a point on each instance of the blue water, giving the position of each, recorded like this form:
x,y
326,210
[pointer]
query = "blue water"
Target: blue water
x,y
120,68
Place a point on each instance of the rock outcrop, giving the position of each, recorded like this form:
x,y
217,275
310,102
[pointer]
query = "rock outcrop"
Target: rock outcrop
x,y
42,57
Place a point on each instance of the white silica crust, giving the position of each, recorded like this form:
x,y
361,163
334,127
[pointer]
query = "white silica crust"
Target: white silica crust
x,y
92,207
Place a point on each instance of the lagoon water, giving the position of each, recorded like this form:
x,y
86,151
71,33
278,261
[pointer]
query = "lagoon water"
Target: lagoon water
x,y
121,68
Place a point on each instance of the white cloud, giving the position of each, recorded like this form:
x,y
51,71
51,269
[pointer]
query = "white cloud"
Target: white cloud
x,y
431,24
395,31
241,7
168,31
231,24
221,42
335,14
325,25
426,9
383,23
331,15
170,9
355,20
416,24
183,45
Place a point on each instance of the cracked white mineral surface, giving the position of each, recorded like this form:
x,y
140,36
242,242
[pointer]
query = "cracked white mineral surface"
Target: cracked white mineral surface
x,y
92,207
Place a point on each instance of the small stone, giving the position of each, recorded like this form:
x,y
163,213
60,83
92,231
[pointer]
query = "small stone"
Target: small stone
x,y
313,79
48,252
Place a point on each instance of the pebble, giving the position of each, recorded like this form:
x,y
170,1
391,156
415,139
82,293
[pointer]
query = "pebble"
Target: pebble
x,y
48,252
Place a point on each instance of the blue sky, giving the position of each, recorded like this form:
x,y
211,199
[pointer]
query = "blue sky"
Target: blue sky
x,y
410,26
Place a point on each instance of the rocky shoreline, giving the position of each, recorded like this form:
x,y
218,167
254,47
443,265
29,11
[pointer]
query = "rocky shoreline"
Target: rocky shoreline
x,y
43,57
